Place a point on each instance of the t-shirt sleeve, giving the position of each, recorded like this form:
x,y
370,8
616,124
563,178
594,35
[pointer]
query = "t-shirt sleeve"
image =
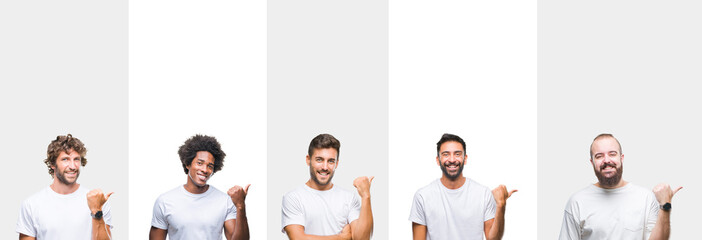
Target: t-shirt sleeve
x,y
158,219
490,205
107,213
231,209
355,209
652,215
417,211
291,211
570,229
25,223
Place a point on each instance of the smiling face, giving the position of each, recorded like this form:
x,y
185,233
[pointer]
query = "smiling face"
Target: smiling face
x,y
322,163
451,159
607,161
67,167
200,169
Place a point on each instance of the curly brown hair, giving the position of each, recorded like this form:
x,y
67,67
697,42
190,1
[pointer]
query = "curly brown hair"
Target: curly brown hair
x,y
198,143
64,144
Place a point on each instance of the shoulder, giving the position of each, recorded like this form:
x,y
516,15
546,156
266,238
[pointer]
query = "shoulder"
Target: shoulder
x,y
477,187
36,198
343,192
170,194
581,194
639,189
430,189
215,192
296,192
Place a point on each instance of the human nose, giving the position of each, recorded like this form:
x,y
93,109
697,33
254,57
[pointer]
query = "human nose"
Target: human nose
x,y
72,164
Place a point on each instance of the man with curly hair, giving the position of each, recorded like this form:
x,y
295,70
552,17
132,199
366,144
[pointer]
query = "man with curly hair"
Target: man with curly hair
x,y
197,210
319,209
65,209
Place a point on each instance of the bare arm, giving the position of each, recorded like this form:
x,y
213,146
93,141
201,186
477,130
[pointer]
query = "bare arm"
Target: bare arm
x,y
238,229
157,233
297,232
664,194
25,237
96,199
419,231
362,228
497,224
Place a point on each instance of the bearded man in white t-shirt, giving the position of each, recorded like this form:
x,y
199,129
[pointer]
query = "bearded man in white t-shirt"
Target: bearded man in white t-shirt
x,y
65,209
197,210
319,209
613,208
455,207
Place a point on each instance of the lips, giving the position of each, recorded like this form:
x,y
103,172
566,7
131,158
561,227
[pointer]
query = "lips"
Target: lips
x,y
452,166
202,177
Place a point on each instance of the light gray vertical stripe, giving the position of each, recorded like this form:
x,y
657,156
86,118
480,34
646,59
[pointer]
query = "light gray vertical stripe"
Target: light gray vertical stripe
x,y
63,69
630,68
327,72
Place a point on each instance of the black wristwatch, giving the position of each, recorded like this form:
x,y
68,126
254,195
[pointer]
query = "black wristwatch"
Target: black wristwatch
x,y
666,207
97,215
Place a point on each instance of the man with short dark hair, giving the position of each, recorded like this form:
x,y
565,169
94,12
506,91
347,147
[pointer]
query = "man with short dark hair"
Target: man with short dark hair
x,y
197,210
455,207
613,208
61,211
321,210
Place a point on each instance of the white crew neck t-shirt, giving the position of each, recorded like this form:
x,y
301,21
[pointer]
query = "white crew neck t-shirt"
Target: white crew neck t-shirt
x,y
186,215
628,212
453,213
48,215
322,213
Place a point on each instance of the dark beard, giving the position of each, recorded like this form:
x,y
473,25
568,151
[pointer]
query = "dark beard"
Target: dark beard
x,y
313,176
611,181
62,178
454,177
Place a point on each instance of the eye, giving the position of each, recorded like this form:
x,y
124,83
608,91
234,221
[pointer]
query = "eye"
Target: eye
x,y
332,161
445,155
210,167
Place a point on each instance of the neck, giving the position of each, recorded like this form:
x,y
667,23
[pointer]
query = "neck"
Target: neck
x,y
195,189
62,188
618,185
453,183
311,183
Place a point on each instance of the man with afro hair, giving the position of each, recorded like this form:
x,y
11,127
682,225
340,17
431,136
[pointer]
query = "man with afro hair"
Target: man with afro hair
x,y
197,210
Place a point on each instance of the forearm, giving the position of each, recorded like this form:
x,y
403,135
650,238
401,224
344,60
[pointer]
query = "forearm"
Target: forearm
x,y
364,224
241,231
100,230
314,237
662,229
498,225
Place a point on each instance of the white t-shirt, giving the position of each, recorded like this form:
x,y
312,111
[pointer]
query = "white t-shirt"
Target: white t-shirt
x,y
453,213
322,213
50,215
628,212
186,215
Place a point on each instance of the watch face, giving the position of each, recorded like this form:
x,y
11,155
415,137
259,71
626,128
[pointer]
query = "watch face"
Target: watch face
x,y
98,215
666,206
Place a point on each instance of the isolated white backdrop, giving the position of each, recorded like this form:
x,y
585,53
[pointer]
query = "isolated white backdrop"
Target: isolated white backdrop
x,y
467,68
196,67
